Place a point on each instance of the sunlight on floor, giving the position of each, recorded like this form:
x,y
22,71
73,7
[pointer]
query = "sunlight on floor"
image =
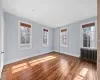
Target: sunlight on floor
x,y
23,66
19,67
41,60
62,68
81,74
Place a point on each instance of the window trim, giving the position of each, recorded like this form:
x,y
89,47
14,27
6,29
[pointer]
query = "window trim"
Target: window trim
x,y
45,45
81,34
67,38
19,45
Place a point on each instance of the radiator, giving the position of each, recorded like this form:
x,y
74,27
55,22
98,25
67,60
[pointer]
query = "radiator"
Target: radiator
x,y
89,54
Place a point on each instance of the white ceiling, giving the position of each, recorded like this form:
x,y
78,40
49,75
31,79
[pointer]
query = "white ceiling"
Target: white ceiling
x,y
52,13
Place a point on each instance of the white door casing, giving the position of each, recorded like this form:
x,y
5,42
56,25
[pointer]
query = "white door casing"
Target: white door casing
x,y
1,38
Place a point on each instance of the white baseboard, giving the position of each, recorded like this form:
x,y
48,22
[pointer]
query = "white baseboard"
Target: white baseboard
x,y
56,51
16,60
68,53
73,55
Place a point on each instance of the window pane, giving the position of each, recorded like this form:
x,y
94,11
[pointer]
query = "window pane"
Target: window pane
x,y
92,44
86,30
92,35
93,28
86,37
85,43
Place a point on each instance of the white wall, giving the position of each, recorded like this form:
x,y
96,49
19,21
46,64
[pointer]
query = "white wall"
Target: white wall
x,y
12,52
74,38
56,39
1,37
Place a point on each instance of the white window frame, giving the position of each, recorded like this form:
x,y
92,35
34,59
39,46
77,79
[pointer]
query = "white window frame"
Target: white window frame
x,y
25,45
81,36
67,38
45,45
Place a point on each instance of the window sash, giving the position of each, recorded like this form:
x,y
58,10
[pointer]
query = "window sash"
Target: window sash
x,y
91,36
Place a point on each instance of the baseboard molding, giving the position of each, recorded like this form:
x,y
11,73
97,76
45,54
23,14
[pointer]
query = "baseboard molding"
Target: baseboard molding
x,y
74,55
68,54
16,60
55,51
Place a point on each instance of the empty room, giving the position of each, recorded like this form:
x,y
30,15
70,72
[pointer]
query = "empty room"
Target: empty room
x,y
49,39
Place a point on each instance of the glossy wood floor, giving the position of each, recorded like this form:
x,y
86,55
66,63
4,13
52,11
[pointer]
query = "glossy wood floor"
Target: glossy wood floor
x,y
52,66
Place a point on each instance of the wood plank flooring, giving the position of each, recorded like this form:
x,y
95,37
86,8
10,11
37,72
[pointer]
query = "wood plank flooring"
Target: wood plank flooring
x,y
51,66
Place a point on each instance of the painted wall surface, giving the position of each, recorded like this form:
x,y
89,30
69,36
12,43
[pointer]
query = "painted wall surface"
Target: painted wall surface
x,y
0,34
74,38
56,39
12,52
1,37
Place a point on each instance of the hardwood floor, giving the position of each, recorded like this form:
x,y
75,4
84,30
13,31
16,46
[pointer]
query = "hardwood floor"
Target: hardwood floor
x,y
52,66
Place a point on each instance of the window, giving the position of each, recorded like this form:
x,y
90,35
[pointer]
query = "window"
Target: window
x,y
45,37
64,37
89,35
25,35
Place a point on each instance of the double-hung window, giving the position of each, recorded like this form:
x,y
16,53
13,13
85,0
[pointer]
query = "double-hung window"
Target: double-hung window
x,y
89,35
